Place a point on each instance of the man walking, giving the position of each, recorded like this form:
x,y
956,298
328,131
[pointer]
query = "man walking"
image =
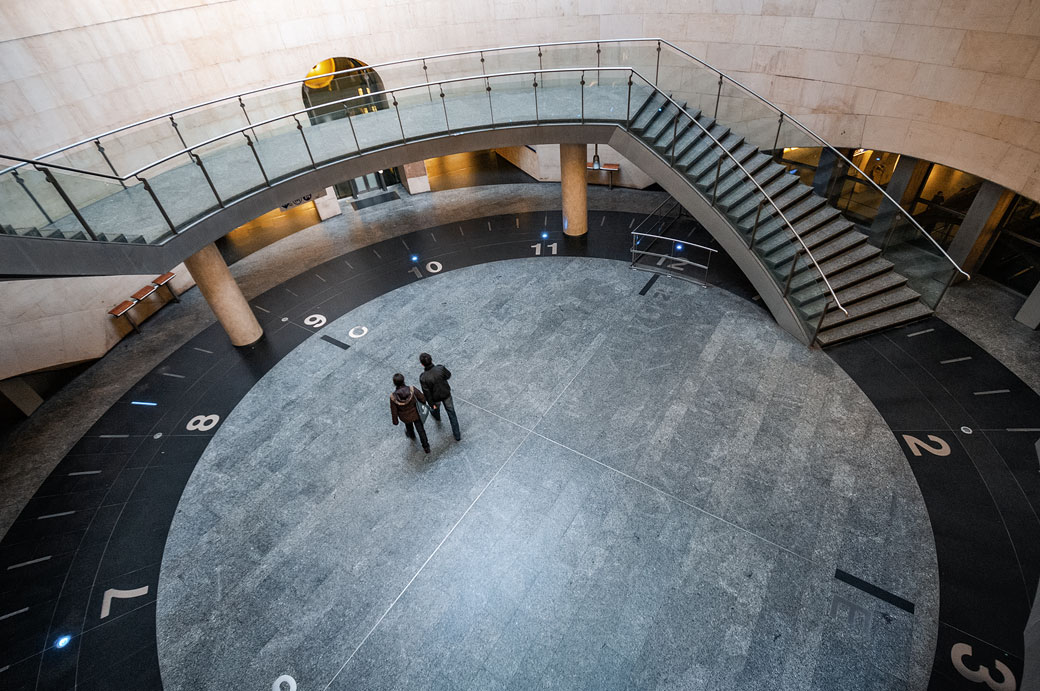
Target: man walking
x,y
434,382
403,408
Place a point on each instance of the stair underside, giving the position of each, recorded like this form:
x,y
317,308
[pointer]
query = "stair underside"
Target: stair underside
x,y
874,295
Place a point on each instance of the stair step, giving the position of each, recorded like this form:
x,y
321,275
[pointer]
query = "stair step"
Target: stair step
x,y
729,167
646,111
747,207
781,261
663,121
765,172
865,308
897,316
663,140
843,262
687,137
863,290
814,238
708,159
701,146
845,279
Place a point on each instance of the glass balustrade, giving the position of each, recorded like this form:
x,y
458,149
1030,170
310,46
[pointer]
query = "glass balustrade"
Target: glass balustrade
x,y
160,176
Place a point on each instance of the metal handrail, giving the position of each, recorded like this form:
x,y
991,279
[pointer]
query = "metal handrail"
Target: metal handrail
x,y
55,166
674,240
366,96
823,142
651,214
632,72
250,92
439,56
772,203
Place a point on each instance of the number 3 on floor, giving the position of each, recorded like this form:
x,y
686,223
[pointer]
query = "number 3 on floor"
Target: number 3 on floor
x,y
982,675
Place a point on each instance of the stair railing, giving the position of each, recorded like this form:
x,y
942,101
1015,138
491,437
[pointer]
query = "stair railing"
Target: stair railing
x,y
191,151
784,117
765,197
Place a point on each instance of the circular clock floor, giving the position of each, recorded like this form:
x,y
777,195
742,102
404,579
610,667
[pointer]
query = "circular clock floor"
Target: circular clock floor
x,y
651,491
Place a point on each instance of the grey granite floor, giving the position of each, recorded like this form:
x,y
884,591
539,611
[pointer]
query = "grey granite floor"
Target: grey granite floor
x,y
651,492
984,311
33,449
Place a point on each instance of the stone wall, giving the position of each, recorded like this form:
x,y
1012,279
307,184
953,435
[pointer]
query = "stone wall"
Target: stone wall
x,y
952,81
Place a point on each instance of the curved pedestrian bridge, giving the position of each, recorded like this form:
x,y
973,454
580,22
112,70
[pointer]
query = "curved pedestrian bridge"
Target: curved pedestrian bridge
x,y
146,196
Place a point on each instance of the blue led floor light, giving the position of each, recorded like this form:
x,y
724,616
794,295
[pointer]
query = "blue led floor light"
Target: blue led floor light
x,y
62,642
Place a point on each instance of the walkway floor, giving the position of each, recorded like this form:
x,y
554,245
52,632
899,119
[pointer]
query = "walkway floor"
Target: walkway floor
x,y
771,447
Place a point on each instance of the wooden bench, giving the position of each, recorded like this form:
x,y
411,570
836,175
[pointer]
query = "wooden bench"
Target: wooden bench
x,y
611,168
124,307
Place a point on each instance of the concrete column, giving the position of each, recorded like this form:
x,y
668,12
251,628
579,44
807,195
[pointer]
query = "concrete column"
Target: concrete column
x,y
225,298
327,205
976,230
823,179
573,165
897,188
415,178
21,394
1030,316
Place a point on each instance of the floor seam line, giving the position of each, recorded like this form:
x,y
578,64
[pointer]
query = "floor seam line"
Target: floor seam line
x,y
428,559
676,498
645,484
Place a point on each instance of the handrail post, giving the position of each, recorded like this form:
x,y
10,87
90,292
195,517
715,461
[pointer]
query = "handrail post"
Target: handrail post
x,y
754,230
628,111
790,274
718,169
482,68
949,282
25,188
491,106
582,97
598,78
158,204
819,322
177,129
248,121
350,122
675,133
65,198
444,105
399,122
657,70
718,97
539,57
205,174
256,155
308,146
101,150
776,141
535,85
426,78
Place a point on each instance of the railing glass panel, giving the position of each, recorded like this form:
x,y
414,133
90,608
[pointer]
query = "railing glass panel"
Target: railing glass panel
x,y
927,270
112,212
512,98
182,190
31,204
560,96
233,170
469,104
281,149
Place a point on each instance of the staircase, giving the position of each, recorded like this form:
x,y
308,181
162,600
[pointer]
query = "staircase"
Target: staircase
x,y
875,296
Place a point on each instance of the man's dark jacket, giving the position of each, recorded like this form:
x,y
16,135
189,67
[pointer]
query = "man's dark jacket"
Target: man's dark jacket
x,y
434,382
